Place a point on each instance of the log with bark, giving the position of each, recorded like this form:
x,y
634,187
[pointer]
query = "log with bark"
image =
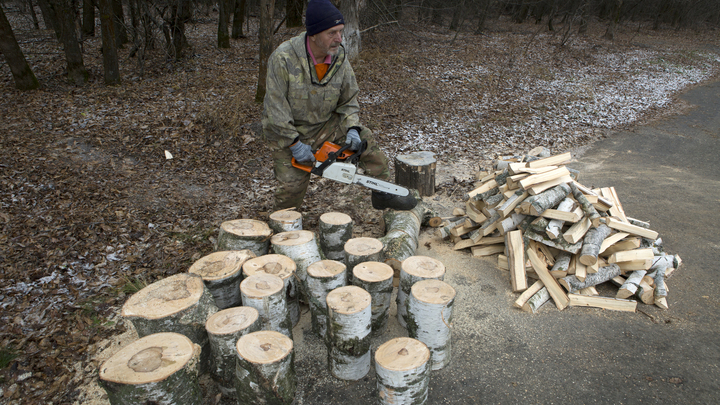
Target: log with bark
x,y
402,368
429,315
285,221
377,279
323,277
348,332
302,247
359,250
591,244
572,284
224,329
402,230
335,229
283,267
241,234
222,273
160,368
265,369
266,293
416,170
412,270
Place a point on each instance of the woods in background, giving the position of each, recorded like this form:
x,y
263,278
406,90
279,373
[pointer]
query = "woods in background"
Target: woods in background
x,y
147,25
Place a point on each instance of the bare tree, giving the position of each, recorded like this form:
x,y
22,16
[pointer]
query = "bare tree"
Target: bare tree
x,y
22,74
294,13
77,73
88,18
111,66
238,17
223,38
267,9
351,33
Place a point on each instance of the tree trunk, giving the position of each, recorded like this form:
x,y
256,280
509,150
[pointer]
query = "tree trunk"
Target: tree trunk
x,y
22,74
414,269
283,267
267,10
222,273
238,17
302,247
323,277
224,329
402,230
181,13
335,230
351,33
429,314
266,293
121,36
294,13
377,279
223,38
111,65
348,335
179,303
33,16
402,367
240,234
88,18
49,18
161,368
265,369
417,171
73,55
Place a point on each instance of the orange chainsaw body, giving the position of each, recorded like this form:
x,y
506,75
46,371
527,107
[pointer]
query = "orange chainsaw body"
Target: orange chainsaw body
x,y
322,155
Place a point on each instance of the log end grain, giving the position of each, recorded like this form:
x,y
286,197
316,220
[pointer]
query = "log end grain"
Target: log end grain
x,y
261,285
220,265
402,354
292,238
335,218
246,227
373,272
264,347
277,265
325,269
423,267
165,297
433,292
348,300
363,246
231,320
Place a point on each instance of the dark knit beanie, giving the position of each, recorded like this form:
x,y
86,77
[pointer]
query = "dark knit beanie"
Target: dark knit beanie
x,y
321,15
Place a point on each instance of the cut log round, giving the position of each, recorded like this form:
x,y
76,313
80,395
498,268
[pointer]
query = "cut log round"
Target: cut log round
x,y
222,273
283,267
429,316
412,270
323,277
241,234
285,221
264,372
266,293
416,170
359,250
402,368
377,279
302,247
161,368
335,229
348,334
180,304
224,329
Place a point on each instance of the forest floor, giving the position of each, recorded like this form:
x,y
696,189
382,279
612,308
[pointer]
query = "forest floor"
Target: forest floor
x,y
91,209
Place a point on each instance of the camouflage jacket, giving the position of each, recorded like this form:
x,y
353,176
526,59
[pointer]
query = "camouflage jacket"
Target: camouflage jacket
x,y
297,104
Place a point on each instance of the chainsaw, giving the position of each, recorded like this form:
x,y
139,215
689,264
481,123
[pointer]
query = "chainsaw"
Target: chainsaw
x,y
338,163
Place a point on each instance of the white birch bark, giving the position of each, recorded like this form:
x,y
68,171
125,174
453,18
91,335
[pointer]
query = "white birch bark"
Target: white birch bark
x,y
348,334
266,293
335,229
283,267
554,227
429,316
402,368
241,234
377,279
222,273
264,371
285,221
302,247
323,277
412,270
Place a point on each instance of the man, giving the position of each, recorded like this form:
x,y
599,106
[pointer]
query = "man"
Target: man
x,y
311,97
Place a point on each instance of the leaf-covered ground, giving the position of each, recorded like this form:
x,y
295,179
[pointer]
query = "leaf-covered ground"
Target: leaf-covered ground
x,y
91,209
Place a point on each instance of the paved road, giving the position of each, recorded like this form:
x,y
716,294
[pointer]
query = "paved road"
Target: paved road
x,y
667,173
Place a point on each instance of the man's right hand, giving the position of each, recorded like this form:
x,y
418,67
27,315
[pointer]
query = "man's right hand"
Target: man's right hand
x,y
302,153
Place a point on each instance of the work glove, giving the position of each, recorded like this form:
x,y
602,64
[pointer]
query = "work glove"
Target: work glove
x,y
353,138
302,153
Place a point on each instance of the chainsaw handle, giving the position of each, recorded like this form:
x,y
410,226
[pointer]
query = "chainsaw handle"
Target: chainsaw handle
x,y
328,154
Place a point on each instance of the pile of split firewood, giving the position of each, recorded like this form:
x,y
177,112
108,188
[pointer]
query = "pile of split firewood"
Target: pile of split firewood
x,y
546,226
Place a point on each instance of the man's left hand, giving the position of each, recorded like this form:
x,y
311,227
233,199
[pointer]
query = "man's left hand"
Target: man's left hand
x,y
353,138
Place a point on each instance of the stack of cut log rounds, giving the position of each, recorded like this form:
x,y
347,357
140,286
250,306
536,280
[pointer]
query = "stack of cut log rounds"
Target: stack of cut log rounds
x,y
560,239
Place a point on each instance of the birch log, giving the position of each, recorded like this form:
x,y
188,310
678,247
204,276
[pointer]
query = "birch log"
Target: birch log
x,y
377,279
224,329
283,267
285,221
359,250
554,227
591,244
537,300
429,316
222,273
412,270
180,304
402,230
335,229
572,284
402,368
161,368
348,334
265,370
323,277
562,263
302,247
241,234
589,210
631,284
510,223
537,204
266,293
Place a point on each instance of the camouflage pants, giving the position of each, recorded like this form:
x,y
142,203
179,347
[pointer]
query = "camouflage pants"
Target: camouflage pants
x,y
293,182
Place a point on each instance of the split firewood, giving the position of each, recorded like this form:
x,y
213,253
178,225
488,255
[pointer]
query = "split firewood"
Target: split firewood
x,y
634,265
631,229
591,244
488,240
660,293
516,260
616,210
638,222
540,187
492,202
631,255
555,291
488,227
645,291
402,366
572,284
616,304
480,251
630,286
588,192
527,294
551,160
538,299
577,231
537,204
625,244
508,206
590,211
555,226
458,212
559,243
285,221
446,230
592,291
474,213
612,240
485,187
510,223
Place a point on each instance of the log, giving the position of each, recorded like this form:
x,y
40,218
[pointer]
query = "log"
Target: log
x,y
572,284
645,292
402,368
402,230
323,277
562,263
554,227
515,251
631,255
538,299
489,250
285,221
591,244
588,192
510,223
241,234
527,294
544,177
160,368
616,304
266,293
265,371
335,229
416,170
590,211
359,250
550,161
589,291
224,329
349,332
558,243
508,206
627,244
474,213
612,240
429,315
540,187
577,231
446,230
537,204
616,210
631,284
180,304
283,267
412,270
574,216
222,273
377,279
631,229
485,187
302,247
557,294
